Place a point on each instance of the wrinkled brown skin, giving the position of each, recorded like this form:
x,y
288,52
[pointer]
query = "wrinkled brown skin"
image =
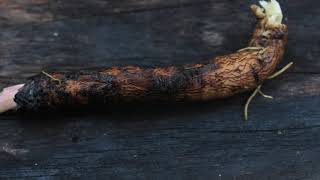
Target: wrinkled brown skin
x,y
219,77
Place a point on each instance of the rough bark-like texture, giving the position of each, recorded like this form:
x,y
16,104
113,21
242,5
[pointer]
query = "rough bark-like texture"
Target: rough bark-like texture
x,y
220,77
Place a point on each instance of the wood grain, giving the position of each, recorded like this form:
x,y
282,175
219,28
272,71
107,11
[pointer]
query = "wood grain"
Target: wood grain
x,y
190,32
197,141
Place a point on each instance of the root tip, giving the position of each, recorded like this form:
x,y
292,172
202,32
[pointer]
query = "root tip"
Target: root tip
x,y
7,98
270,11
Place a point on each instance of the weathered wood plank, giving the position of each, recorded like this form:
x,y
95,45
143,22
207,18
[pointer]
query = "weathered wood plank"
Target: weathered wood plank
x,y
188,35
31,11
195,141
159,37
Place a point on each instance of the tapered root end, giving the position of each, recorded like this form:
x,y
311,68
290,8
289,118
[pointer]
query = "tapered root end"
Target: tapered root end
x,y
270,12
7,98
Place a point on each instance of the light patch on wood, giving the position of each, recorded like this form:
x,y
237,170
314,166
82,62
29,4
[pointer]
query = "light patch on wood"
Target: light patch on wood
x,y
22,16
13,151
212,38
19,12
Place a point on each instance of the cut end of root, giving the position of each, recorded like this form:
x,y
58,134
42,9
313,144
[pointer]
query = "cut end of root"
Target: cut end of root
x,y
270,11
273,11
7,98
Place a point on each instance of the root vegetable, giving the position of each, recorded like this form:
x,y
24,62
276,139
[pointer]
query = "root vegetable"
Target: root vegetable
x,y
218,77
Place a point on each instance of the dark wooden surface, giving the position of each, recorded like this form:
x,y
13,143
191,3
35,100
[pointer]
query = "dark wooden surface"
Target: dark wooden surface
x,y
199,141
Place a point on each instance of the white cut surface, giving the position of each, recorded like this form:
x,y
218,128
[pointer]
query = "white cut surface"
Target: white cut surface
x,y
7,98
273,11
